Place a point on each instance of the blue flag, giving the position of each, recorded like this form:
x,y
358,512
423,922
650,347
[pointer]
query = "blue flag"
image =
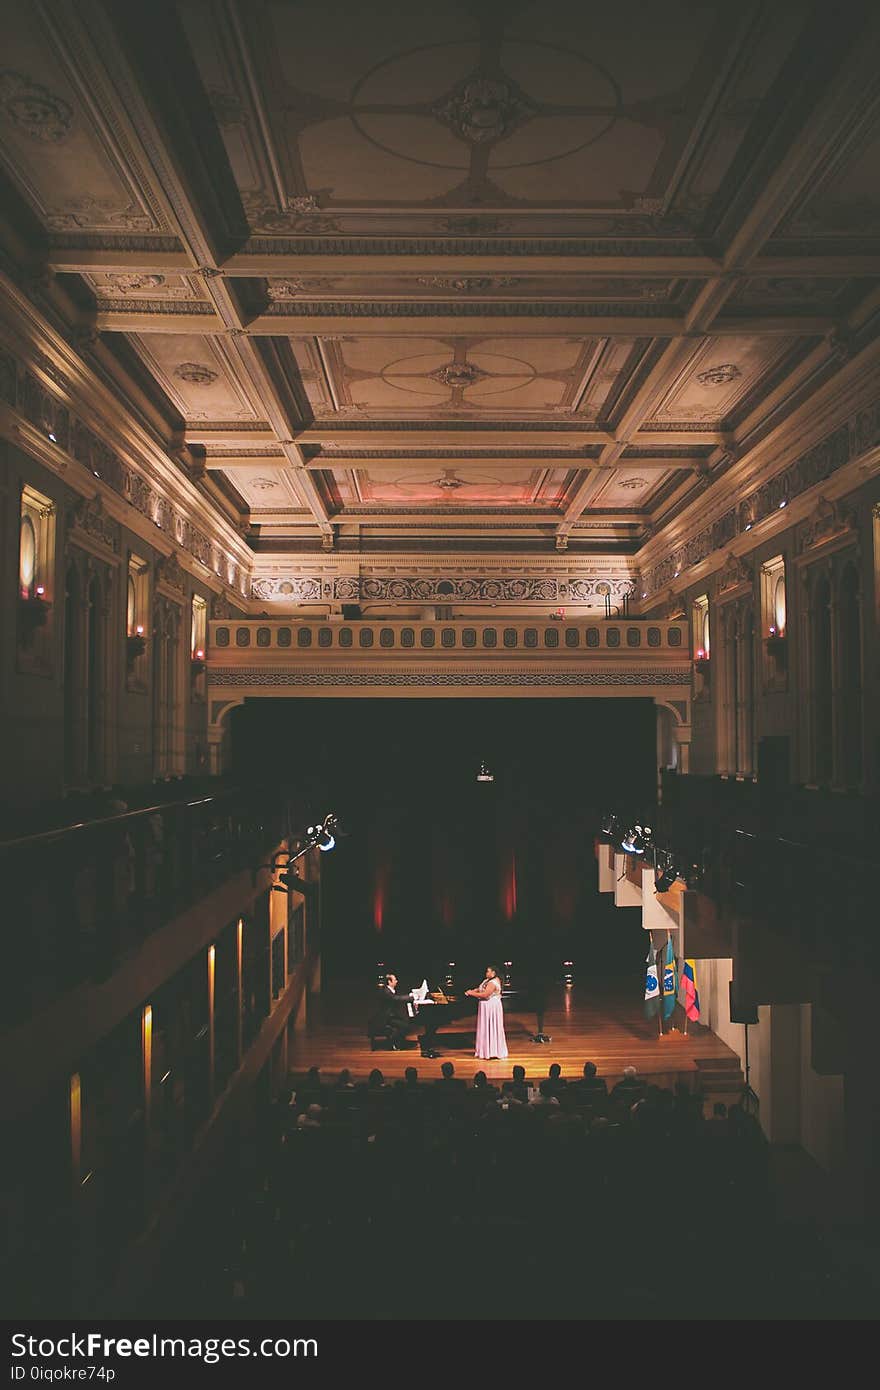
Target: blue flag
x,y
670,979
652,984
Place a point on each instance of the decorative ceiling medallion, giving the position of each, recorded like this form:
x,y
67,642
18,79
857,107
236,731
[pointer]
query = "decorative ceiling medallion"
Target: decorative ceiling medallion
x,y
457,374
720,375
448,482
263,484
465,284
33,109
482,109
128,282
196,373
633,484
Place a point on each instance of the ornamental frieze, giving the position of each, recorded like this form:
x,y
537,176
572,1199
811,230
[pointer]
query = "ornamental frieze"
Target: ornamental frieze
x,y
296,588
354,588
859,434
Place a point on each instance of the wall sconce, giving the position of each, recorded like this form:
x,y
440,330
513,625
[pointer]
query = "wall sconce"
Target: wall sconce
x,y
701,661
198,662
33,612
135,645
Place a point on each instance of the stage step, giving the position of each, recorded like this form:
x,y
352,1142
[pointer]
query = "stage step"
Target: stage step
x,y
720,1075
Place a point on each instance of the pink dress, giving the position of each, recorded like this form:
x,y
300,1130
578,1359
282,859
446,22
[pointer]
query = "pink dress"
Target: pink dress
x,y
491,1041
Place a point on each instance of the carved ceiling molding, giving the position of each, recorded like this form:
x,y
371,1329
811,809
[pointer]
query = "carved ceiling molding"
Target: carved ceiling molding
x,y
25,394
847,442
491,245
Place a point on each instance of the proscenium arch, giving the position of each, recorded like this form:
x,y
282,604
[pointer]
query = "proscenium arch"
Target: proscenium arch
x,y
675,709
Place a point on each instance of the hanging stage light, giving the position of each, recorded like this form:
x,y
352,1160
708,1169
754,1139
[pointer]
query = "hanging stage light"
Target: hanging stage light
x,y
633,841
637,840
323,835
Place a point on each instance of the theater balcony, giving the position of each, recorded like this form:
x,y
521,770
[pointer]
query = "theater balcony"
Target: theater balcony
x,y
153,975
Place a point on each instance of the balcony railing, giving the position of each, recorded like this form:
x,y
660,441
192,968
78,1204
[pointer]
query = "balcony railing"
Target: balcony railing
x,y
79,899
627,638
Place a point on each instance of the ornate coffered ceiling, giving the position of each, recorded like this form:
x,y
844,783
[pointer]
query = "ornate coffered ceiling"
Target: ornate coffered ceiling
x,y
415,273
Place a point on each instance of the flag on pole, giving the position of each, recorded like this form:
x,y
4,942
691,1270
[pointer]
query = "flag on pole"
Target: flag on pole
x,y
688,995
670,980
652,984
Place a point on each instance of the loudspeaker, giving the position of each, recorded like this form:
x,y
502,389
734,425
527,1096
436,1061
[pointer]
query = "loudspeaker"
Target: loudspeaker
x,y
740,1012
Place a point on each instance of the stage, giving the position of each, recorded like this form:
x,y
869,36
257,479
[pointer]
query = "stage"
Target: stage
x,y
603,1022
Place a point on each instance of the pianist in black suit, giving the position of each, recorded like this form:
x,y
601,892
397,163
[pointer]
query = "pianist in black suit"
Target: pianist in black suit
x,y
391,1016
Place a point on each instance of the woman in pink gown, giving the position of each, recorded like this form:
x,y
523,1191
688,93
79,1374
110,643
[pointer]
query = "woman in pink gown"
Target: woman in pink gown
x,y
491,1042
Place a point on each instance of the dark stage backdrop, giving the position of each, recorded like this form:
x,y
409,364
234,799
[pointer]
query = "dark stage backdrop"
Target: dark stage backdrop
x,y
438,867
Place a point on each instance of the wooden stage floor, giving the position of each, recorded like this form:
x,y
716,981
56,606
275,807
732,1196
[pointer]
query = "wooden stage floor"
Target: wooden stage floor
x,y
603,1023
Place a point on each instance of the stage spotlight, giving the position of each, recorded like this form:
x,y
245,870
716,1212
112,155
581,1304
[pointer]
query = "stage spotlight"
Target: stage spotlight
x,y
484,774
633,841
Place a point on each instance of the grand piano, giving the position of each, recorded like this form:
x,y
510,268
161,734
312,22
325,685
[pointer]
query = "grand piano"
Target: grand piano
x,y
441,1008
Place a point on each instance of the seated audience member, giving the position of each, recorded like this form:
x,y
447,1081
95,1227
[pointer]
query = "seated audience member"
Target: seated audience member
x,y
554,1076
483,1089
310,1118
311,1086
629,1088
449,1081
516,1088
591,1087
545,1094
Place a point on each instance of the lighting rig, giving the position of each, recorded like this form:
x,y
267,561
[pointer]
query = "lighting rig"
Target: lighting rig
x,y
323,835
